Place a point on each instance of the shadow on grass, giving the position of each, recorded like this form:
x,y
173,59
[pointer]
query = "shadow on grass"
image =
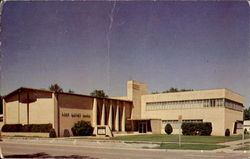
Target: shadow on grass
x,y
45,155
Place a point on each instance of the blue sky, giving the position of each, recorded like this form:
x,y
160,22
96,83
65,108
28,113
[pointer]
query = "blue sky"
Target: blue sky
x,y
196,45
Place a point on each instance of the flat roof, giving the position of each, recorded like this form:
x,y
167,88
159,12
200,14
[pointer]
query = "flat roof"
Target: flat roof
x,y
48,91
195,95
145,119
198,91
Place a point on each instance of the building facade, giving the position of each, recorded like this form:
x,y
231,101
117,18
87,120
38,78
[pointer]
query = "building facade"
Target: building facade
x,y
222,107
137,112
62,110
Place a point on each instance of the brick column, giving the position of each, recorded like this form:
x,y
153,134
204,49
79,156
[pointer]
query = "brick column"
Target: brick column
x,y
103,114
123,118
117,119
110,117
94,115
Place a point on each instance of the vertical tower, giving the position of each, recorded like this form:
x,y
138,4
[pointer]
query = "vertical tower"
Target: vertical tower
x,y
134,92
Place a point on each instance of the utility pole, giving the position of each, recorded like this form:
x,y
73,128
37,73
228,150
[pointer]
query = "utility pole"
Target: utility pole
x,y
180,122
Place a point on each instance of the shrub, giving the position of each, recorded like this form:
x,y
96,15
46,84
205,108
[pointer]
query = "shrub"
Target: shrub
x,y
201,129
82,128
12,128
205,129
27,128
245,131
66,133
188,129
168,129
52,133
40,127
227,132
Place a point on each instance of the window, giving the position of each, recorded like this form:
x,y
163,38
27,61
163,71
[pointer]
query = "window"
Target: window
x,y
189,104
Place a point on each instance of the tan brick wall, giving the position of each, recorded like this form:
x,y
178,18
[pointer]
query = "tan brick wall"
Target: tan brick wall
x,y
213,115
23,113
155,126
234,96
67,122
134,92
12,112
73,105
231,117
42,111
221,118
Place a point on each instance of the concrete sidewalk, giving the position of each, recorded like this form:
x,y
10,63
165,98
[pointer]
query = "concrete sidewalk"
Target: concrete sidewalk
x,y
232,145
79,142
102,143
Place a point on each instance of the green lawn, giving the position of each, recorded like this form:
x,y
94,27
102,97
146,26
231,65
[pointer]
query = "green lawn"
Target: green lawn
x,y
184,139
245,147
189,146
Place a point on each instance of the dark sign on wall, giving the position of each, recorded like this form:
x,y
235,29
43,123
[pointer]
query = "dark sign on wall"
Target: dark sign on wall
x,y
75,115
65,114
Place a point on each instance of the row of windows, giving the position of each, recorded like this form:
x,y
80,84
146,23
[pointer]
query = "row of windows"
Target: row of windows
x,y
175,124
184,121
232,105
193,104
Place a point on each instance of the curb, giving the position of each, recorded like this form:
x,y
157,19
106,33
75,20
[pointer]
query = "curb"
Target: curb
x,y
73,140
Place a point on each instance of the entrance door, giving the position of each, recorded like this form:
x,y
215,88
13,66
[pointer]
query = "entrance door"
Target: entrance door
x,y
142,127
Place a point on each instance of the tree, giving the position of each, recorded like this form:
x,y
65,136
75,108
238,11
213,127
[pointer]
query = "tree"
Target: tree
x,y
168,129
176,90
55,87
155,92
247,114
184,90
71,91
98,93
171,90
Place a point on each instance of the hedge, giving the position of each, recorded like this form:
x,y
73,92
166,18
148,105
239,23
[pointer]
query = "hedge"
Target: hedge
x,y
12,128
26,128
201,129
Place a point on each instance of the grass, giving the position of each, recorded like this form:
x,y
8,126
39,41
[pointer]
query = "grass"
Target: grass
x,y
27,136
184,139
246,147
189,146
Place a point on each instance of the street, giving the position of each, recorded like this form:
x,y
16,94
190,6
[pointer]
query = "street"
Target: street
x,y
35,150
